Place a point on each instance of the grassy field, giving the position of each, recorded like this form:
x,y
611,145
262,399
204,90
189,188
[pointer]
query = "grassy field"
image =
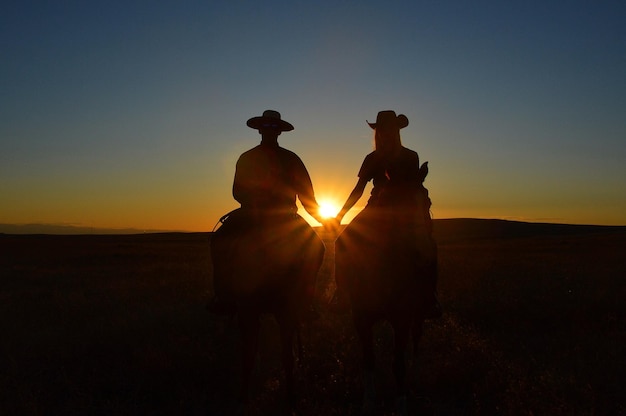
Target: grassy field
x,y
534,323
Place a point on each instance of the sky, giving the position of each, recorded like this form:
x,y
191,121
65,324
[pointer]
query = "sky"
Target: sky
x,y
132,114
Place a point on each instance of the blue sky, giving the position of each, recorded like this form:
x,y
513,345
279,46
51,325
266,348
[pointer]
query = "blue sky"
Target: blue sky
x,y
132,114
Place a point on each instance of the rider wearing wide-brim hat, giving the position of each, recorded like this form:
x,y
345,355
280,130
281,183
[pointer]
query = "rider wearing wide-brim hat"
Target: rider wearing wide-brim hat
x,y
397,179
270,177
268,181
269,120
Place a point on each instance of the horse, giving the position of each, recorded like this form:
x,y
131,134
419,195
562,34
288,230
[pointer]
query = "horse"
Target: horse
x,y
271,268
386,260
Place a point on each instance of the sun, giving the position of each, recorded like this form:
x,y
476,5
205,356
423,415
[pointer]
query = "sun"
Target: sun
x,y
328,208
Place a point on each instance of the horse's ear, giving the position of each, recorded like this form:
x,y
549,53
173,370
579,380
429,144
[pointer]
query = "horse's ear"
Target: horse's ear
x,y
423,172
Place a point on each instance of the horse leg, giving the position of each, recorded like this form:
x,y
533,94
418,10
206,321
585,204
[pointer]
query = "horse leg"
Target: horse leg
x,y
417,329
249,327
364,329
401,340
313,259
288,328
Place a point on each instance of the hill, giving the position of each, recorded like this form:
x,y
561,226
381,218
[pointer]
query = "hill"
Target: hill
x,y
64,229
447,230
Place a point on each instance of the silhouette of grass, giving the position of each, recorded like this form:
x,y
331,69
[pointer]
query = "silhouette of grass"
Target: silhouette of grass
x,y
534,323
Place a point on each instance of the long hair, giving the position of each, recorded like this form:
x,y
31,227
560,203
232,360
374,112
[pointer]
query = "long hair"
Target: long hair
x,y
387,141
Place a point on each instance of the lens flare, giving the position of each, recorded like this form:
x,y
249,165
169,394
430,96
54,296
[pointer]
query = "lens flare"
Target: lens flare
x,y
328,208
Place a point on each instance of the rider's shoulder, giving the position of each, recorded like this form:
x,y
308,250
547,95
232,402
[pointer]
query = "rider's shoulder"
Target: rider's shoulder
x,y
250,153
287,152
290,157
409,152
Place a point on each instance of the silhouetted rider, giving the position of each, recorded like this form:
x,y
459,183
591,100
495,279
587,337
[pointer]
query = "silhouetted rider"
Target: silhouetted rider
x,y
398,208
268,179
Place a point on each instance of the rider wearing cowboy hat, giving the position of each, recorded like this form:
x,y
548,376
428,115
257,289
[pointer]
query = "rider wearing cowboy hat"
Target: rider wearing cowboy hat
x,y
268,179
397,184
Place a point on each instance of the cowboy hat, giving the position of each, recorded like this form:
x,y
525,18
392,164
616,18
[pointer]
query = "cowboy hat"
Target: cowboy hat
x,y
269,119
388,120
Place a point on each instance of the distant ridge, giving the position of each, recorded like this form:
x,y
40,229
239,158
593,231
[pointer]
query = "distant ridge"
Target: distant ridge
x,y
446,230
456,229
71,229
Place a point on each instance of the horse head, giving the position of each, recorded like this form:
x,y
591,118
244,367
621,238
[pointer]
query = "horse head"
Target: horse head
x,y
423,172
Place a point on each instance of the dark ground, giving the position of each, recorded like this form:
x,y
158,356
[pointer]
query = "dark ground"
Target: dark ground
x,y
534,323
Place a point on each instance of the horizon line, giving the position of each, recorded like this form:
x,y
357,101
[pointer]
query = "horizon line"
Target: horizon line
x,y
65,229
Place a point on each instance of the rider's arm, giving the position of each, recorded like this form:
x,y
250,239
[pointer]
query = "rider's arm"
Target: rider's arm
x,y
250,188
368,166
355,195
307,198
241,191
304,189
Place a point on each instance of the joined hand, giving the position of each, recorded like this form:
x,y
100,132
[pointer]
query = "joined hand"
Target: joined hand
x,y
331,224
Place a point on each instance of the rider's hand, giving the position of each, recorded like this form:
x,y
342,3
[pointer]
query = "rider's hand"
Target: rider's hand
x,y
331,224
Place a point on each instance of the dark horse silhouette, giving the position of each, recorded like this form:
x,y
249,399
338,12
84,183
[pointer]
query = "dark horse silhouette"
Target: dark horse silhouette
x,y
386,255
273,264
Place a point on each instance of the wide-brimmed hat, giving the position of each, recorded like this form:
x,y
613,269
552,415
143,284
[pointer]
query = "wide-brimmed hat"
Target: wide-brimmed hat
x,y
269,119
387,120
